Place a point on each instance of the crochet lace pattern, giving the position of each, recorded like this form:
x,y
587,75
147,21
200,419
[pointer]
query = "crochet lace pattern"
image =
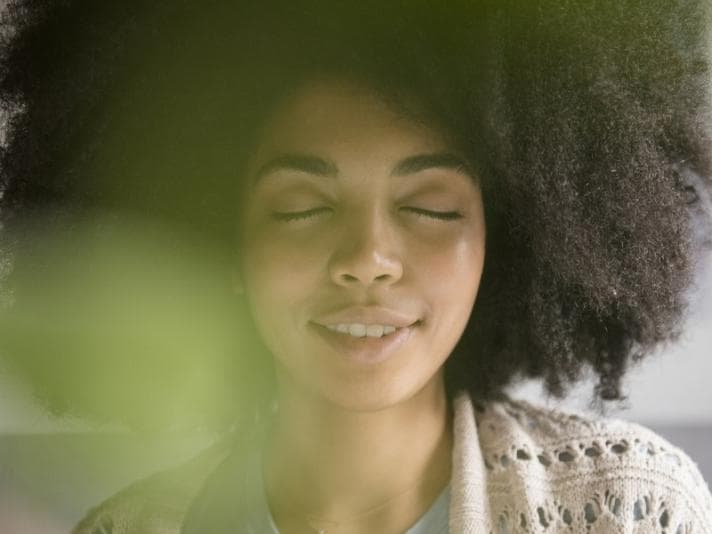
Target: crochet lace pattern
x,y
550,471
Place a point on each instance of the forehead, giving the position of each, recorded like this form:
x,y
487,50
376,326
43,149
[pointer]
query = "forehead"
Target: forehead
x,y
343,120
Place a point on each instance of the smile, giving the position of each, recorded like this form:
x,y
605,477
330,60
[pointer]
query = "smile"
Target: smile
x,y
362,330
360,347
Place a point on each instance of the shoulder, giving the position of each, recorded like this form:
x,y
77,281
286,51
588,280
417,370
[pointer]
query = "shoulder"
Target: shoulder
x,y
157,503
577,471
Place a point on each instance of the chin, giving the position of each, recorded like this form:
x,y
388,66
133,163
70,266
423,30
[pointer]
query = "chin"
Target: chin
x,y
371,397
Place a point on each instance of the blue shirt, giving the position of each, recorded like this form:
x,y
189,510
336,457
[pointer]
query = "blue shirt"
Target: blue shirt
x,y
434,521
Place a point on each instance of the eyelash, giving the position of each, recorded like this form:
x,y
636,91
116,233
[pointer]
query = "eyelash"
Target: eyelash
x,y
290,216
438,215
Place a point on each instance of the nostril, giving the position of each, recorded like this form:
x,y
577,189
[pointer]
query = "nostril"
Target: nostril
x,y
350,278
365,270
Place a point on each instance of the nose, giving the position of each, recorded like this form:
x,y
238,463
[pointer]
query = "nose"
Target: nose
x,y
367,254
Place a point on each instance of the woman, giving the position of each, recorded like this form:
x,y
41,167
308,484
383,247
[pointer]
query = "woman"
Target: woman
x,y
423,204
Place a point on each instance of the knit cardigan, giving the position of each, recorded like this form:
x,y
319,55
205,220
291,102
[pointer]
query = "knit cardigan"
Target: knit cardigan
x,y
517,468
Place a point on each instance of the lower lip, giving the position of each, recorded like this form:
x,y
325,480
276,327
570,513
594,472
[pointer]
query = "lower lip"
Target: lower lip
x,y
364,350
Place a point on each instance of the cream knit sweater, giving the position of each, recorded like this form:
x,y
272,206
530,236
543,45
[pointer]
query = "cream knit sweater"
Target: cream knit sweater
x,y
517,468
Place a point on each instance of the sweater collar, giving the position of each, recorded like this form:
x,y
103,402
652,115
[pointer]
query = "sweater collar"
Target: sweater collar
x,y
224,497
469,506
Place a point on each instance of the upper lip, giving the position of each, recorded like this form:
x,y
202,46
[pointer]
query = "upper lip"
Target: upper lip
x,y
367,316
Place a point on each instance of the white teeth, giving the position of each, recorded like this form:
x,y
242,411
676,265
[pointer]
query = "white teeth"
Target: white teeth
x,y
357,330
362,330
374,330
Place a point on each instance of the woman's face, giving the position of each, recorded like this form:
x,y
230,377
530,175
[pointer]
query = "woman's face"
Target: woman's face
x,y
363,241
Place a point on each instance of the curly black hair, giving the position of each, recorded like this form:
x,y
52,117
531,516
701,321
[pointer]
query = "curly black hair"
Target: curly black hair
x,y
581,118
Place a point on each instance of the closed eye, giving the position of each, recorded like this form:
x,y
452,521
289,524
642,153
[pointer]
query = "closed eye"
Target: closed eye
x,y
287,216
439,215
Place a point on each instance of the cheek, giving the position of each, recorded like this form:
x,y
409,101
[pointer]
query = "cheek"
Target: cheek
x,y
449,274
450,260
279,274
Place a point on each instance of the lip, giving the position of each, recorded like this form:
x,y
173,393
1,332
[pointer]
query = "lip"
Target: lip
x,y
364,350
367,315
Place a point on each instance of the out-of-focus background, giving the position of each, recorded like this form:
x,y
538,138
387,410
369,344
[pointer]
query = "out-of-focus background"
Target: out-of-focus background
x,y
52,471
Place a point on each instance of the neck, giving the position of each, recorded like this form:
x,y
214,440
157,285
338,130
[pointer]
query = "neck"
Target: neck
x,y
395,460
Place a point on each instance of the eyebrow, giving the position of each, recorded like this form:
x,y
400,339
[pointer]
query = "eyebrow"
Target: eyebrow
x,y
322,167
300,163
422,162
